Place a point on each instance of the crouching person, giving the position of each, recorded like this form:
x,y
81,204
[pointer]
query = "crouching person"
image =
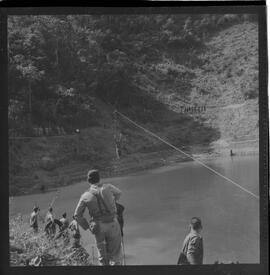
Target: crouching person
x,y
100,202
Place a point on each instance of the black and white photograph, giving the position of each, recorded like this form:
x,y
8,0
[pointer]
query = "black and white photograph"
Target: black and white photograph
x,y
133,139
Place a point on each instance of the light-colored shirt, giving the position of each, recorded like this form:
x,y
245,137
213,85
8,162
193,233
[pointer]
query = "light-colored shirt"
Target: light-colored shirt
x,y
64,222
33,219
49,217
109,194
193,248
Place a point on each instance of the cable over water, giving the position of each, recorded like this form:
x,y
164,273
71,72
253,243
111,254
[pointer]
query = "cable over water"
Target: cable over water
x,y
179,150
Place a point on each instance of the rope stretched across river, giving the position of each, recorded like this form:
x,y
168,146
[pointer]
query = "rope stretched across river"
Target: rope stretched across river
x,y
179,150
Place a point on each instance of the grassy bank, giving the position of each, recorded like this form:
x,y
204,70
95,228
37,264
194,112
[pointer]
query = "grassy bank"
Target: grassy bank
x,y
25,246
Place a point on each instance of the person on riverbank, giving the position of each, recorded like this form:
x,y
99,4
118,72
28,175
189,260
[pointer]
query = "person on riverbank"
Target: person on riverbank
x,y
64,222
34,219
100,200
76,235
192,251
50,227
63,229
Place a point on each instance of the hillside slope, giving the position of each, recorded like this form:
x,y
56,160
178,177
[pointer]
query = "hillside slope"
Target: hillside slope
x,y
223,77
233,84
226,82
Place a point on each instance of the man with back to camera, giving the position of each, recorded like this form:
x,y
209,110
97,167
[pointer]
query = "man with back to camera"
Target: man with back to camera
x,y
100,200
192,251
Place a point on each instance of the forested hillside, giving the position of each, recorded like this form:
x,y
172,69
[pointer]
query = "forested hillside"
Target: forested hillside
x,y
71,72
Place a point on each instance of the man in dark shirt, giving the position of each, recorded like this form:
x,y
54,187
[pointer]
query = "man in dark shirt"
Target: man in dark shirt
x,y
192,252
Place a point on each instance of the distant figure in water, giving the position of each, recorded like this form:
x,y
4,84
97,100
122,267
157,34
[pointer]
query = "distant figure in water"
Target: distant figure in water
x,y
231,153
192,251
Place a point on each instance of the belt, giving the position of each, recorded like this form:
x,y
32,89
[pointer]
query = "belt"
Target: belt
x,y
107,219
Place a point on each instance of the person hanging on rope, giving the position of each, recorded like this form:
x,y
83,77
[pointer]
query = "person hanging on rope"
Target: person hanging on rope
x,y
120,144
117,138
100,200
117,142
34,219
192,251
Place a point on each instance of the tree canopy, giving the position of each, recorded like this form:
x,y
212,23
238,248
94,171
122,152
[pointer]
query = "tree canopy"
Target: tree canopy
x,y
59,65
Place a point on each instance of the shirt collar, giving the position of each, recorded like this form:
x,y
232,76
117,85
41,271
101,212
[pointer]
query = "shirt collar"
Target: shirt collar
x,y
94,188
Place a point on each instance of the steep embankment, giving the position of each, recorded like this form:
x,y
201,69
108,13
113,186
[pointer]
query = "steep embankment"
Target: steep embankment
x,y
225,81
228,82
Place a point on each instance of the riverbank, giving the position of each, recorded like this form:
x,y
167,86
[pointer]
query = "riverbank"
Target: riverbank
x,y
140,162
28,248
171,157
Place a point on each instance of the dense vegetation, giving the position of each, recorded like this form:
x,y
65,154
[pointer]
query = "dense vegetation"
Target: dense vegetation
x,y
69,71
59,65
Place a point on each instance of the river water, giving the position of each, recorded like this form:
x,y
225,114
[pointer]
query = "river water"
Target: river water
x,y
159,204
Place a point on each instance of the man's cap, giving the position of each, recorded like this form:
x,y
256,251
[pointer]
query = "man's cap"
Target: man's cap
x,y
93,176
196,223
64,214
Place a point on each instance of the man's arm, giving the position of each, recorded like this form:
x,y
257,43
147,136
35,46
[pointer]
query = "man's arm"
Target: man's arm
x,y
79,214
115,191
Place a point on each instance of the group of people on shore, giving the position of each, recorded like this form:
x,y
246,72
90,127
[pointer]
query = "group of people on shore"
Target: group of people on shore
x,y
106,224
51,225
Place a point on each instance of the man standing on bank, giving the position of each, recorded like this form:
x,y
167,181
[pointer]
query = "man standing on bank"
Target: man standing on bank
x,y
74,227
192,251
100,200
34,219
